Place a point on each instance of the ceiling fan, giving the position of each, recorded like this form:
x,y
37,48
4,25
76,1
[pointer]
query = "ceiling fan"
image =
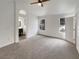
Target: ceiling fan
x,y
39,2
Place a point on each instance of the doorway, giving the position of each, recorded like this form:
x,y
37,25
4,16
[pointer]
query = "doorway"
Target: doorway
x,y
21,28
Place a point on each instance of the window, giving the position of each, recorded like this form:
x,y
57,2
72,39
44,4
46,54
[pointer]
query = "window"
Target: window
x,y
42,24
62,21
62,25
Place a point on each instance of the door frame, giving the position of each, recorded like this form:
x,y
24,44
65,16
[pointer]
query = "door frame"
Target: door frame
x,y
16,34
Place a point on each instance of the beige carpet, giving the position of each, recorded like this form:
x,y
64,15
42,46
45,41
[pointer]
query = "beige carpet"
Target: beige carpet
x,y
40,47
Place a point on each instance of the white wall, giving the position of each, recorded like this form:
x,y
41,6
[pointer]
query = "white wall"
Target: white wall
x,y
6,22
77,25
52,25
77,31
69,29
32,25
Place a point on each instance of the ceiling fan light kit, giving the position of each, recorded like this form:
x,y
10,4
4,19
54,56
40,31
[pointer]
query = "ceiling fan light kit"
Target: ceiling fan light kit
x,y
39,2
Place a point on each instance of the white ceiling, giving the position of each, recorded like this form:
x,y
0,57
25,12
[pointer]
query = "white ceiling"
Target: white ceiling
x,y
53,7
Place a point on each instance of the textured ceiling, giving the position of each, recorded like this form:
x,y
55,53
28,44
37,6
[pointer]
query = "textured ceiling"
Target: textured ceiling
x,y
53,7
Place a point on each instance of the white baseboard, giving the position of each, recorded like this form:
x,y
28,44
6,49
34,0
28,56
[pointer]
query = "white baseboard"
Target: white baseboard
x,y
78,49
6,44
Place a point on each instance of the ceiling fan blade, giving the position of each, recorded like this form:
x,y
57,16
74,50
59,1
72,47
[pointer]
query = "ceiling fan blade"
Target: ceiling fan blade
x,y
34,3
45,0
